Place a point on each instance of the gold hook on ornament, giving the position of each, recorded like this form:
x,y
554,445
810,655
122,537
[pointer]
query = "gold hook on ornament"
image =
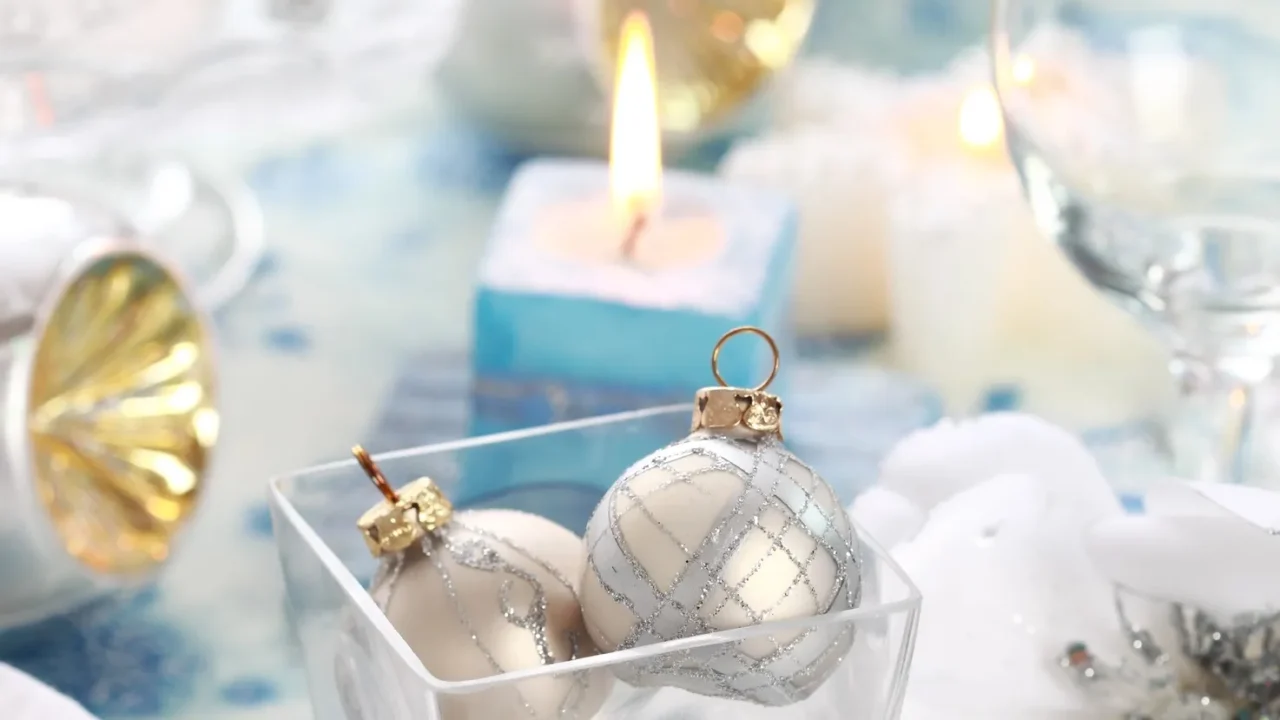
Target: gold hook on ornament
x,y
406,517
745,413
375,474
773,347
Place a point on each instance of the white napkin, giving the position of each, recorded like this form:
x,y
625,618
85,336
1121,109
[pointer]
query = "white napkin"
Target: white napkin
x,y
1209,546
24,698
1253,505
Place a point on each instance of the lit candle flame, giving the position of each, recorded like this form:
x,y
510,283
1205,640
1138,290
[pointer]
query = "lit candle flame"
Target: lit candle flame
x,y
1024,70
635,143
981,126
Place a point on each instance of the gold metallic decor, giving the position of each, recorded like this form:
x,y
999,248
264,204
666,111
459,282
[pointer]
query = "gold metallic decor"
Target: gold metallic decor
x,y
109,420
712,55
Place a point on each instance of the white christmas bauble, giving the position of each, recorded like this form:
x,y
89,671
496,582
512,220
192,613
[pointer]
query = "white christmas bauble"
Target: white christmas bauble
x,y
493,593
710,534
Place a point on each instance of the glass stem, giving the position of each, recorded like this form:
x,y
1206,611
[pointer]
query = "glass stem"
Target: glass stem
x,y
1212,431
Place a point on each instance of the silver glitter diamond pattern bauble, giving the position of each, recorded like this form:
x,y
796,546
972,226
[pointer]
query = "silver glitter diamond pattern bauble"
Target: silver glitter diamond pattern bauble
x,y
492,593
713,533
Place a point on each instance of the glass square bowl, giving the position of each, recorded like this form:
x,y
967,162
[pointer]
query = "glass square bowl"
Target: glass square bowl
x,y
359,668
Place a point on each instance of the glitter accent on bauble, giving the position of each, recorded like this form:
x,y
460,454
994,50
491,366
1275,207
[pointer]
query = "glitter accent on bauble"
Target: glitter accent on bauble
x,y
712,533
483,593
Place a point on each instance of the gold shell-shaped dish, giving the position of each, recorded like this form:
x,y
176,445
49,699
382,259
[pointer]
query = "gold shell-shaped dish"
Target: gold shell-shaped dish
x,y
712,56
121,415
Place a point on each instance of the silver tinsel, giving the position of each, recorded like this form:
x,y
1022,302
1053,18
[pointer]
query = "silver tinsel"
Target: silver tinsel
x,y
748,504
1240,661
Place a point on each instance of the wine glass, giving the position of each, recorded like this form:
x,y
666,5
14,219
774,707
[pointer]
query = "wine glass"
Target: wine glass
x,y
1145,136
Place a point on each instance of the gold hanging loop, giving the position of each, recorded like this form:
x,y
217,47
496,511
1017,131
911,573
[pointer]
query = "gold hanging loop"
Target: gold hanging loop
x,y
403,518
749,413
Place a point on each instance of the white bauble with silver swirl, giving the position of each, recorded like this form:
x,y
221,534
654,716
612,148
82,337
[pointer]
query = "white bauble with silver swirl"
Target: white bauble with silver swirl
x,y
713,533
493,593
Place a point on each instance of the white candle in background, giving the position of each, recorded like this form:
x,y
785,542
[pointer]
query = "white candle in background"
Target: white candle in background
x,y
980,297
949,271
841,190
845,142
912,219
833,151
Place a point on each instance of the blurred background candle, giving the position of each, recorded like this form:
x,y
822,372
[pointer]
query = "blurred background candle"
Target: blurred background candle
x,y
603,286
980,299
832,150
617,278
950,233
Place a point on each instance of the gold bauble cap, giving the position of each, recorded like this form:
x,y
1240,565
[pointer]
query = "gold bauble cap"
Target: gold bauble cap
x,y
747,412
405,516
120,411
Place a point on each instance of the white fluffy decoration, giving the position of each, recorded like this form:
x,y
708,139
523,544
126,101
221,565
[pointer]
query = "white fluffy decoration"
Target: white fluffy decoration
x,y
934,464
888,517
1001,562
1003,604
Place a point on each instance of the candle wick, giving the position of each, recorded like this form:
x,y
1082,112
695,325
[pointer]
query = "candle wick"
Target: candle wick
x,y
632,238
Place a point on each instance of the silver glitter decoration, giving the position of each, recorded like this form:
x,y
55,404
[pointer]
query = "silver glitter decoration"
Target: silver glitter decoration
x,y
1243,655
781,503
484,551
1240,660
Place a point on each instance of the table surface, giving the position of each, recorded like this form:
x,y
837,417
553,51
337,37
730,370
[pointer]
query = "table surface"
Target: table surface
x,y
353,330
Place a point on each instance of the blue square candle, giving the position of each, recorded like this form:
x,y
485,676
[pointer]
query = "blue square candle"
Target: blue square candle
x,y
561,303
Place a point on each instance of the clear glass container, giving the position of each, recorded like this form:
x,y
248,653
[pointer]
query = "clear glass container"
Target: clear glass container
x,y
360,669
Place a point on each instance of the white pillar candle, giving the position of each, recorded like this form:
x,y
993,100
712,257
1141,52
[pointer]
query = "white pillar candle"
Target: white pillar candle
x,y
832,153
980,296
841,192
912,219
949,270
845,142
